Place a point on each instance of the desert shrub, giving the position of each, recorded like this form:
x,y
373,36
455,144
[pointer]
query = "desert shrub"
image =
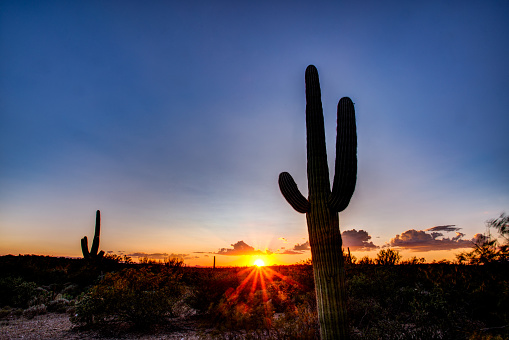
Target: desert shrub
x,y
299,323
5,311
59,305
481,336
387,257
489,249
285,296
70,291
249,312
15,292
141,297
302,275
414,260
32,311
426,301
210,286
41,296
252,297
365,261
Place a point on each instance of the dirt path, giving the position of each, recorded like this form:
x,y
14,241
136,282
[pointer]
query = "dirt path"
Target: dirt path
x,y
57,326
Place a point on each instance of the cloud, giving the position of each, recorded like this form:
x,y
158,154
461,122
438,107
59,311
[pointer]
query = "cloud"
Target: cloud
x,y
297,249
357,240
157,256
446,228
291,252
458,236
283,239
161,256
479,238
241,248
302,247
420,240
182,256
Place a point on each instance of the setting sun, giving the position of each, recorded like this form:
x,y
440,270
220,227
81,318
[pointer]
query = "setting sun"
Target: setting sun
x,y
259,263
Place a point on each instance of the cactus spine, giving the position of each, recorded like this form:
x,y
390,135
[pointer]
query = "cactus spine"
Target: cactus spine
x,y
93,253
323,205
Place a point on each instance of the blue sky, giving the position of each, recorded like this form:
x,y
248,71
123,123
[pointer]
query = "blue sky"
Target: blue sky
x,y
175,120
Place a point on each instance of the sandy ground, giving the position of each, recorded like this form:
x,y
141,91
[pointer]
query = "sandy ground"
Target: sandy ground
x,y
58,326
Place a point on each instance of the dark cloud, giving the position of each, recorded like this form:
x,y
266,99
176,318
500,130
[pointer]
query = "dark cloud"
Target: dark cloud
x,y
120,252
241,248
182,256
297,249
302,247
446,228
161,256
357,240
435,235
420,240
292,252
157,256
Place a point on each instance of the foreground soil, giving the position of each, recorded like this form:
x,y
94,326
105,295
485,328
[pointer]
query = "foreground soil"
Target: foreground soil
x,y
58,326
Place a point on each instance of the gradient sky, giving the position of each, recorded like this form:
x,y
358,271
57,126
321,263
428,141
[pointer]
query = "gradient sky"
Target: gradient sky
x,y
176,118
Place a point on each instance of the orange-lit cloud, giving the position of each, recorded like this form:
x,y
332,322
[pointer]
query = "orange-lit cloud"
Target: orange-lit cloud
x,y
357,240
420,240
242,248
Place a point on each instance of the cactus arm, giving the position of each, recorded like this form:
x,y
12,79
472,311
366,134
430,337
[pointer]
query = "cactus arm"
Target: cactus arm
x,y
84,248
318,170
345,174
292,194
95,243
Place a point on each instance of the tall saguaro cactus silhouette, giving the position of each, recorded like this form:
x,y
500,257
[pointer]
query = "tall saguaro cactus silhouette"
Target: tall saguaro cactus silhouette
x,y
323,205
93,253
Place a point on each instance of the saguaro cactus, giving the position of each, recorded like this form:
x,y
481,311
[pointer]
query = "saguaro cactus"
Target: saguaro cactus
x,y
93,253
323,205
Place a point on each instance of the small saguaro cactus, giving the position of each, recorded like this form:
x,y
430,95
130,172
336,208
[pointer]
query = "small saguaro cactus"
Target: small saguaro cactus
x,y
93,253
323,205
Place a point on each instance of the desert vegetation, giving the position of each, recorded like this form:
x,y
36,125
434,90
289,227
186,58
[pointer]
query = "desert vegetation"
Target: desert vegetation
x,y
385,299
